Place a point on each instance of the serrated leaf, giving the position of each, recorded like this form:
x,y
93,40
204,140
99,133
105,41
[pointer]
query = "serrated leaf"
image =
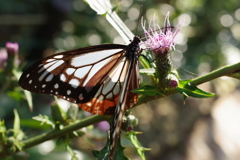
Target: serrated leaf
x,y
147,90
104,153
132,136
44,120
187,89
58,114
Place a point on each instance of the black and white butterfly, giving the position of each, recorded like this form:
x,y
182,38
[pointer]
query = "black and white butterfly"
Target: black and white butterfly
x,y
98,78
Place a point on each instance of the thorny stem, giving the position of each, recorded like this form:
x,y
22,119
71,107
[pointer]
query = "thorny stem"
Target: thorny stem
x,y
224,71
53,134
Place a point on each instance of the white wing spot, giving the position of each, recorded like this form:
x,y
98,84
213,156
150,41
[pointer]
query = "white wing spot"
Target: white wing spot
x,y
81,72
44,85
35,86
27,75
49,78
46,66
81,97
70,71
50,60
43,75
74,83
58,56
64,97
62,77
95,69
116,89
68,92
30,81
94,57
55,65
56,92
51,91
56,86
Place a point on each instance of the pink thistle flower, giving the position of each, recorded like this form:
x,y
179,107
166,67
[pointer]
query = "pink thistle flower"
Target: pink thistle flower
x,y
3,57
160,40
103,126
12,48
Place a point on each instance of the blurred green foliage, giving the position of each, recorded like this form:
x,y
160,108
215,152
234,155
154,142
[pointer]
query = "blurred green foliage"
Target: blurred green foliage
x,y
209,39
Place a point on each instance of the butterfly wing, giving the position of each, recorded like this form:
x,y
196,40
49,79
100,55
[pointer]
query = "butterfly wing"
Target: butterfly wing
x,y
91,76
126,98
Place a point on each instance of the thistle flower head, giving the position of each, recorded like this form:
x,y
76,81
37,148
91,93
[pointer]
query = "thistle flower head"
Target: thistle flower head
x,y
3,57
12,48
158,40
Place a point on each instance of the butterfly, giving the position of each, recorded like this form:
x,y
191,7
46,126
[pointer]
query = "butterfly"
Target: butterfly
x,y
98,78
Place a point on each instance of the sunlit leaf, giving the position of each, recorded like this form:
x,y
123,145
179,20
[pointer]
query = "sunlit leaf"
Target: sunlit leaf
x,y
188,90
147,90
28,94
72,153
132,136
16,125
105,8
44,120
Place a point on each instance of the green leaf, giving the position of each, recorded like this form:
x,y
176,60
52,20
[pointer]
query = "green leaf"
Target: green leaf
x,y
72,153
16,125
3,130
28,94
147,90
58,114
15,95
187,89
132,136
104,153
29,99
44,120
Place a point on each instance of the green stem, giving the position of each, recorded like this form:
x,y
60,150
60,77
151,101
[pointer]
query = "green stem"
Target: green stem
x,y
142,99
224,71
58,133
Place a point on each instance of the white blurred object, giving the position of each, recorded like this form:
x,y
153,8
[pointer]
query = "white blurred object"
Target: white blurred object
x,y
218,137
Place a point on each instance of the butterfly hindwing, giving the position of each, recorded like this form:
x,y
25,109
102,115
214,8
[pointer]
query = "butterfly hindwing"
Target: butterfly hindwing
x,y
108,94
126,98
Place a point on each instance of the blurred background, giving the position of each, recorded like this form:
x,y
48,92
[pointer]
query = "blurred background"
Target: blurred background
x,y
200,129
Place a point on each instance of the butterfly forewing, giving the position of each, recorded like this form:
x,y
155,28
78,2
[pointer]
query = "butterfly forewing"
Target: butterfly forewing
x,y
78,75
